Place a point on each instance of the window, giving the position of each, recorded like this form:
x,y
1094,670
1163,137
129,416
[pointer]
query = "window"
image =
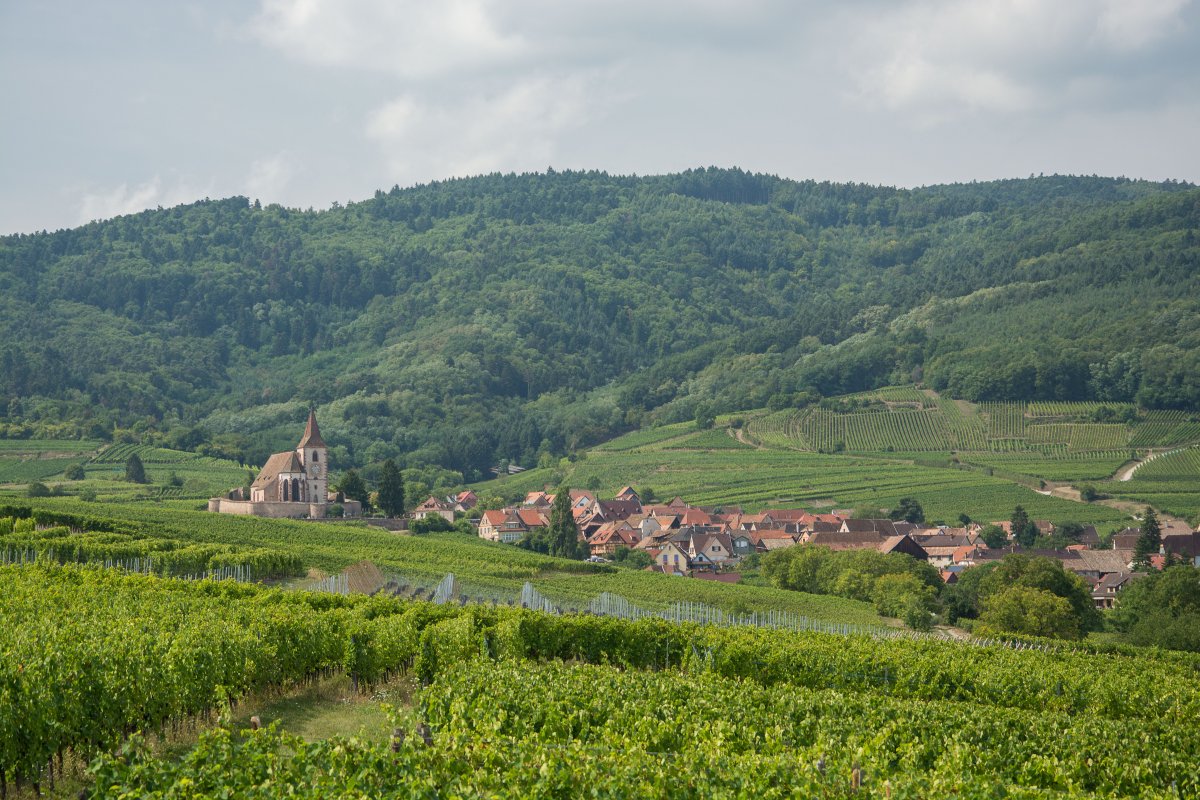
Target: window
x,y
315,458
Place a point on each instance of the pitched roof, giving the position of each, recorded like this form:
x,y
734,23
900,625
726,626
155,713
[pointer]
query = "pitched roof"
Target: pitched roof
x,y
312,434
432,504
532,518
618,509
495,517
852,540
883,526
276,465
1182,544
902,543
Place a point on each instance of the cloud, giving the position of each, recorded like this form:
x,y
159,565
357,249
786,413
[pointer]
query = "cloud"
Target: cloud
x,y
513,128
403,37
270,176
939,59
416,39
126,199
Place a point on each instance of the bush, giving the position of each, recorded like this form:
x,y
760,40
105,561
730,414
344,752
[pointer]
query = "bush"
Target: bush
x,y
1030,612
434,523
37,489
75,472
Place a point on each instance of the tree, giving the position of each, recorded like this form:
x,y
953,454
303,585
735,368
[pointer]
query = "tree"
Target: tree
x,y
904,596
1029,611
908,510
75,472
1162,608
1047,574
134,471
37,489
391,489
1150,540
1070,532
1024,531
994,536
563,533
354,487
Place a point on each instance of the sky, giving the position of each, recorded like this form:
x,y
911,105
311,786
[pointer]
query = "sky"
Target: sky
x,y
110,108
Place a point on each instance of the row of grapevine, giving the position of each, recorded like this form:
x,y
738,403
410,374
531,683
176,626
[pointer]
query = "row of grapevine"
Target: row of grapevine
x,y
81,662
1004,420
21,541
1075,409
491,723
966,430
1166,428
1181,465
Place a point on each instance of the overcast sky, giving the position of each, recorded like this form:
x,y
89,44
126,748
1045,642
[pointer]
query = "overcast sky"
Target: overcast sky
x,y
112,107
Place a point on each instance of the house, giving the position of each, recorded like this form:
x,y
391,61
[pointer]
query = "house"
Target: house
x,y
538,500
612,535
903,543
743,544
464,502
1125,539
501,525
1185,546
846,540
433,507
941,549
883,527
711,548
767,541
627,493
608,510
1105,590
672,557
294,483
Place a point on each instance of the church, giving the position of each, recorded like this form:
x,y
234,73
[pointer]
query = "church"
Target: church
x,y
294,483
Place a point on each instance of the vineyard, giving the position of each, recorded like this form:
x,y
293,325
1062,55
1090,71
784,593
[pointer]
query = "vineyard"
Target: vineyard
x,y
520,704
172,474
1170,482
23,540
772,477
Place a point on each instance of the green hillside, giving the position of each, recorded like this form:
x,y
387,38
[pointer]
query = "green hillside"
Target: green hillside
x,y
869,450
515,317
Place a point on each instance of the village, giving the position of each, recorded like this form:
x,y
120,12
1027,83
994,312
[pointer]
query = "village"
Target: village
x,y
710,543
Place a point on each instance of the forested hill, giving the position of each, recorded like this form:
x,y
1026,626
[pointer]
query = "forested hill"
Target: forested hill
x,y
507,316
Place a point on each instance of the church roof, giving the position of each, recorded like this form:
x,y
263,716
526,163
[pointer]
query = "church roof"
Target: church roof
x,y
277,464
312,434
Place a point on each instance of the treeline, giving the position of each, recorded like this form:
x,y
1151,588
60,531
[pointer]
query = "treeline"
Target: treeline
x,y
518,317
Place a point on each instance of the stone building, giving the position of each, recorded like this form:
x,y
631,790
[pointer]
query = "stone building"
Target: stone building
x,y
294,483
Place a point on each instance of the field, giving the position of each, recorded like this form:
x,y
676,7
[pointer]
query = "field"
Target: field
x,y
522,704
169,473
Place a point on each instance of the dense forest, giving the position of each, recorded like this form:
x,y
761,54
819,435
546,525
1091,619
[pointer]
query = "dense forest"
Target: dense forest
x,y
514,318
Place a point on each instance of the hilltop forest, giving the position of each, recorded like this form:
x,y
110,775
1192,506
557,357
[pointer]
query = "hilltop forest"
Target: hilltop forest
x,y
518,317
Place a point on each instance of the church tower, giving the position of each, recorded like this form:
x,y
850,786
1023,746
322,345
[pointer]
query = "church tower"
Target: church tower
x,y
314,456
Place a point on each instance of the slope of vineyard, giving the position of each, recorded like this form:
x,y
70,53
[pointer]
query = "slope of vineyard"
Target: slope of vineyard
x,y
1170,483
518,702
169,473
486,569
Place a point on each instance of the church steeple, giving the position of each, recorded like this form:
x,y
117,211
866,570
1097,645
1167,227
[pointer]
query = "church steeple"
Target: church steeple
x,y
312,434
315,460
